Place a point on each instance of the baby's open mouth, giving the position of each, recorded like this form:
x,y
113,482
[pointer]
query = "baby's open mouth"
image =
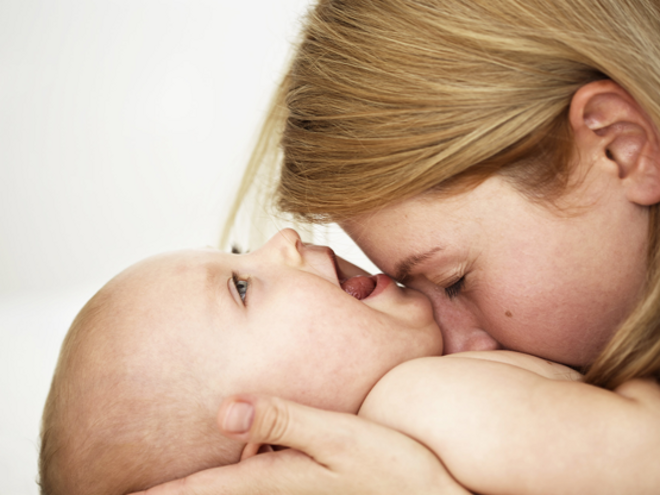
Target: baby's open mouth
x,y
360,287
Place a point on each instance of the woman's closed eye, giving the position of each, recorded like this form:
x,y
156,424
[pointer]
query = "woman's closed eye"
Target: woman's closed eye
x,y
455,289
241,285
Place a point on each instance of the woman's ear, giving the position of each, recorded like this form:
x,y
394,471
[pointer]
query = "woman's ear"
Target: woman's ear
x,y
252,449
612,130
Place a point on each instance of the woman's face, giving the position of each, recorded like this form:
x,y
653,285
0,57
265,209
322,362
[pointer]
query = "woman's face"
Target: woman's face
x,y
503,272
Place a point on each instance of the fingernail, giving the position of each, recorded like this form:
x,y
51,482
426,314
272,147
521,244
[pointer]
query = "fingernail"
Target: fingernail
x,y
238,418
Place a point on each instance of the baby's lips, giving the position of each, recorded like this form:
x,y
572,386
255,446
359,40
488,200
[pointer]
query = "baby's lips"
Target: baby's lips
x,y
346,269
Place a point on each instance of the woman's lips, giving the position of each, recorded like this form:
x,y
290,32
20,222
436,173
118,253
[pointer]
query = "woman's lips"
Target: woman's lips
x,y
361,287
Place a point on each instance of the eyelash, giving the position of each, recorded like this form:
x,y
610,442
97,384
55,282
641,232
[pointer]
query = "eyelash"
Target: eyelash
x,y
455,289
241,285
236,249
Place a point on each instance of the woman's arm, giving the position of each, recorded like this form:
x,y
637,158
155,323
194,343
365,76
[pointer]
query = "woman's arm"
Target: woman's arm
x,y
512,424
332,453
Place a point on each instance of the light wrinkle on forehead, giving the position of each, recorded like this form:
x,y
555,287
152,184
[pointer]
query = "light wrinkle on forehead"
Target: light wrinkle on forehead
x,y
364,226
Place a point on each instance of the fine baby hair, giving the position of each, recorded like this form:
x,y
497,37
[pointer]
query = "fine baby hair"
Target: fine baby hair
x,y
388,100
116,419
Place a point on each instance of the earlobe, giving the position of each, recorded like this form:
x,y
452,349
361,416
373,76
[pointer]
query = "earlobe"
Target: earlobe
x,y
252,449
611,128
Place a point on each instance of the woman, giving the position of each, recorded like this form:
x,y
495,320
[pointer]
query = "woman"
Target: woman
x,y
503,158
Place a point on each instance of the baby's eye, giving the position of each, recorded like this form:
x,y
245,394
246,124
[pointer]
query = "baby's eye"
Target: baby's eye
x,y
455,289
241,286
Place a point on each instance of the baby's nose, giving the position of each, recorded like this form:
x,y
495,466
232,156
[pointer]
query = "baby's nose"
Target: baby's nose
x,y
286,242
291,235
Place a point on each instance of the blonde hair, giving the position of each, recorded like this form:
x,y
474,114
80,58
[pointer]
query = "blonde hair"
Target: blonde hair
x,y
388,99
120,441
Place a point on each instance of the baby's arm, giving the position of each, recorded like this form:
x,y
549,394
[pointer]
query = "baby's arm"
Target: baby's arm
x,y
508,423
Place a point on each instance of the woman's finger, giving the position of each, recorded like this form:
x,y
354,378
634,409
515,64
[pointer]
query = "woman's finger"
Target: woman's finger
x,y
285,472
355,455
322,435
329,454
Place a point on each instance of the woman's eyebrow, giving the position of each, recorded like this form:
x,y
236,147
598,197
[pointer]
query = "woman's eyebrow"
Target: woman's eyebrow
x,y
403,268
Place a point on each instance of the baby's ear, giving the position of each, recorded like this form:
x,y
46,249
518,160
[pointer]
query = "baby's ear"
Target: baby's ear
x,y
252,449
612,131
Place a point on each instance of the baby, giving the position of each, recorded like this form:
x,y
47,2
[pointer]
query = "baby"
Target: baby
x,y
149,359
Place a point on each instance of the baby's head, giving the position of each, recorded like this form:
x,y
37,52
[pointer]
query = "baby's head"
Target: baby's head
x,y
149,359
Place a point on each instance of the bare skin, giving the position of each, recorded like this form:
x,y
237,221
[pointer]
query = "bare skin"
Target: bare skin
x,y
621,161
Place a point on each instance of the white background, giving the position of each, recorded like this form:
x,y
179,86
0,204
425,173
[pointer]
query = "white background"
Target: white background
x,y
124,127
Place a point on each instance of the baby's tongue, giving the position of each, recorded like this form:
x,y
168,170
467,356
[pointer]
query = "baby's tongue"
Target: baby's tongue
x,y
359,287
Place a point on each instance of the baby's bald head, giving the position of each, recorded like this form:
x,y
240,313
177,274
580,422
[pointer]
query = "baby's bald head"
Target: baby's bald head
x,y
130,406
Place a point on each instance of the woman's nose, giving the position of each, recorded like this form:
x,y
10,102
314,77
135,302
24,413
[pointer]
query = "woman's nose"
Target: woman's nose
x,y
467,339
461,328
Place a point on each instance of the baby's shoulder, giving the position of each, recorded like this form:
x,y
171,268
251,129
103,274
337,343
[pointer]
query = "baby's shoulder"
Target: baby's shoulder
x,y
474,363
416,387
540,366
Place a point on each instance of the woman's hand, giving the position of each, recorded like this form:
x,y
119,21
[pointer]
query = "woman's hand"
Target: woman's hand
x,y
331,453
